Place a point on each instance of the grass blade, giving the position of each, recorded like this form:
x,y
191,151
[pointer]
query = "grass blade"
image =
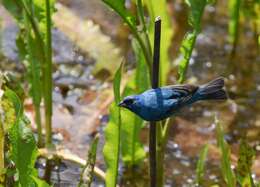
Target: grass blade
x,y
227,172
201,164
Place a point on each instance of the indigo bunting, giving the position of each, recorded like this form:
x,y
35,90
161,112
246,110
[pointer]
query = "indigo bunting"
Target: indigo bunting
x,y
160,103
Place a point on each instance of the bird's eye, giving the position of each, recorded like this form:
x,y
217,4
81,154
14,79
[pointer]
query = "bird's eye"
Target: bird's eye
x,y
129,101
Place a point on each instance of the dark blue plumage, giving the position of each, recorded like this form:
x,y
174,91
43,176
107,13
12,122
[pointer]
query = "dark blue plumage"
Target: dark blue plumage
x,y
158,104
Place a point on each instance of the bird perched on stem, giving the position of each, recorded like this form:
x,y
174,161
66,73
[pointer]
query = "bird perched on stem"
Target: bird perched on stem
x,y
160,103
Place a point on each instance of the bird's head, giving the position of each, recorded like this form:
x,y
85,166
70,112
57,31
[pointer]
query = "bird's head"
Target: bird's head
x,y
130,102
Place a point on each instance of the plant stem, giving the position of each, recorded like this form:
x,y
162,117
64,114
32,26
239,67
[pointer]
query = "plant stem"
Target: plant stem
x,y
144,28
162,136
48,76
39,125
155,84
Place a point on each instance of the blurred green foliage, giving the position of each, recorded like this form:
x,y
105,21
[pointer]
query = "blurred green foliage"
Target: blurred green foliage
x,y
34,50
245,161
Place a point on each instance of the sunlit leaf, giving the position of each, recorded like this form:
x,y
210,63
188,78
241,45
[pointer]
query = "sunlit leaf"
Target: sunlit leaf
x,y
159,8
113,135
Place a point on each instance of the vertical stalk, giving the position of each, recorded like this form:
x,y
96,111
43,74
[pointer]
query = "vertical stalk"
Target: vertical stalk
x,y
162,137
48,76
155,84
35,77
233,26
39,125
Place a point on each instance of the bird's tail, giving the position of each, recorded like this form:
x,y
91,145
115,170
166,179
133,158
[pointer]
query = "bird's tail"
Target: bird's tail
x,y
212,90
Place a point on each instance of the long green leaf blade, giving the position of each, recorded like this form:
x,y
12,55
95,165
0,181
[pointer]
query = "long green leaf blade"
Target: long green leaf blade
x,y
113,135
132,149
227,172
197,9
159,8
201,164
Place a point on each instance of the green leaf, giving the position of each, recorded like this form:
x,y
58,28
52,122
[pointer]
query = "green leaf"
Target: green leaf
x,y
12,97
39,182
132,149
201,164
23,147
119,7
159,8
245,161
15,8
116,83
234,8
88,169
197,9
23,152
111,149
187,45
141,80
186,49
227,172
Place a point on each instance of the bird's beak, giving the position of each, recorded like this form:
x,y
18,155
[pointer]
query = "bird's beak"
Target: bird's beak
x,y
122,104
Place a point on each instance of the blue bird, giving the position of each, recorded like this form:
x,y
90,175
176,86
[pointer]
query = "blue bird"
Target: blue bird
x,y
160,103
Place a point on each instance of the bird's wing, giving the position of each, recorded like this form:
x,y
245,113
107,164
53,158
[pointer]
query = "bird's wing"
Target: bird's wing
x,y
181,92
